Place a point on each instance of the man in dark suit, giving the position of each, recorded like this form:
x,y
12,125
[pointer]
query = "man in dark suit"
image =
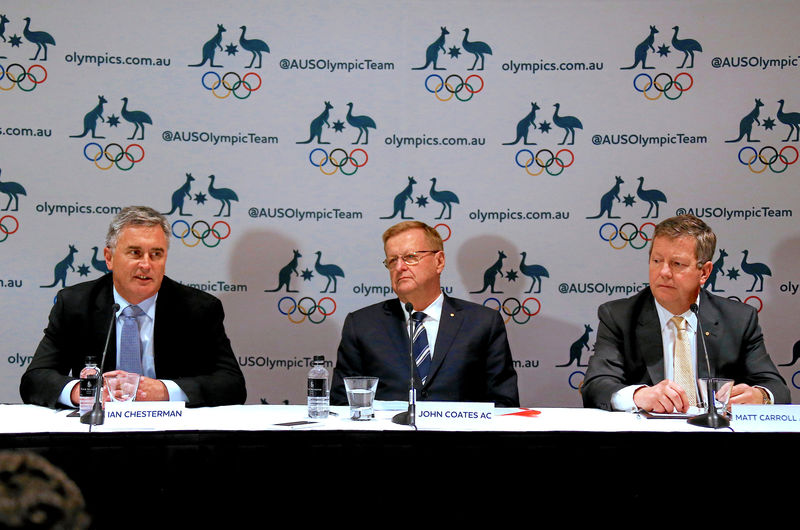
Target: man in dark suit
x,y
636,366
184,351
469,358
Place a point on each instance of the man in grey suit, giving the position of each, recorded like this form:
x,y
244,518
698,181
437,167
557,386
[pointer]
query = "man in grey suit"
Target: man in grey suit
x,y
636,364
468,356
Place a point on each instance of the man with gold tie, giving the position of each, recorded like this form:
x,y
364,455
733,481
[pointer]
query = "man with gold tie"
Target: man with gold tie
x,y
648,355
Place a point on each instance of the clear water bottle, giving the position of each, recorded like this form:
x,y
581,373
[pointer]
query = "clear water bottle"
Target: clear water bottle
x,y
89,376
318,391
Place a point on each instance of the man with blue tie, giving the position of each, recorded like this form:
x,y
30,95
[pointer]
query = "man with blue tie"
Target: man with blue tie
x,y
460,348
648,354
170,334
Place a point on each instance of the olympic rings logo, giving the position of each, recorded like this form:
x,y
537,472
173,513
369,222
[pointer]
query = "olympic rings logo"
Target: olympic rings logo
x,y
449,231
339,159
113,155
544,163
22,76
672,89
230,85
445,85
308,308
637,238
516,308
570,381
747,301
768,162
213,232
5,229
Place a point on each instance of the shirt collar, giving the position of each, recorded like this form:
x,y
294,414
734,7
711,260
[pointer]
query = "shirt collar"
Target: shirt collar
x,y
433,311
664,316
148,306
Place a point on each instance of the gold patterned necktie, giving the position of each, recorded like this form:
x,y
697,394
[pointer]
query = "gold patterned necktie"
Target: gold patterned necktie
x,y
682,361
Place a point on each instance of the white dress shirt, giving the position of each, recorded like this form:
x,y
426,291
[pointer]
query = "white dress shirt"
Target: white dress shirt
x,y
433,315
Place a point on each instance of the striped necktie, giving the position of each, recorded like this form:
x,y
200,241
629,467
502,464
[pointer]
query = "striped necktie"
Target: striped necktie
x,y
422,350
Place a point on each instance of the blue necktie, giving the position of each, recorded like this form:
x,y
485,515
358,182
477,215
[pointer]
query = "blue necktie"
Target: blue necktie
x,y
422,351
130,346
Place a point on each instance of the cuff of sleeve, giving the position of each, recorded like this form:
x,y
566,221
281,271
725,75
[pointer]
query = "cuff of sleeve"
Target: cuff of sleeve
x,y
623,399
174,391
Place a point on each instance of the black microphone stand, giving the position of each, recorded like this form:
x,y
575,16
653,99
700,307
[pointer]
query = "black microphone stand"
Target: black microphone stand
x,y
96,416
711,419
409,417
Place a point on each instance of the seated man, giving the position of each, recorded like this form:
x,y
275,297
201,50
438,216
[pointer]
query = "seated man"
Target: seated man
x,y
176,339
648,355
461,347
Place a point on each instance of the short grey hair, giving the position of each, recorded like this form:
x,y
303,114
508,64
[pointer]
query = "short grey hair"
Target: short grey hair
x,y
135,216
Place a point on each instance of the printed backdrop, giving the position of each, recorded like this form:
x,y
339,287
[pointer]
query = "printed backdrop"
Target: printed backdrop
x,y
543,139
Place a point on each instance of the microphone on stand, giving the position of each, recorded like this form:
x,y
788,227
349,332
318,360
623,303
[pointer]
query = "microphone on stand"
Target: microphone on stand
x,y
409,417
711,418
96,416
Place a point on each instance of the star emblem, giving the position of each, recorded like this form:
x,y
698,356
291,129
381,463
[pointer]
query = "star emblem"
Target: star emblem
x,y
338,126
231,49
200,198
454,52
629,200
512,275
733,274
768,123
112,120
307,274
544,127
663,50
83,270
422,201
15,41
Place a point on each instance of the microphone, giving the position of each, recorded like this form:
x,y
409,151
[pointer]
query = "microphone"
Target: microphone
x,y
711,418
409,417
96,416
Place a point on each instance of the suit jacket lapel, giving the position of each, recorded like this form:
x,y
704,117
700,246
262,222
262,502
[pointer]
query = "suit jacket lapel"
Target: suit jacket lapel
x,y
449,324
710,321
649,342
102,318
396,328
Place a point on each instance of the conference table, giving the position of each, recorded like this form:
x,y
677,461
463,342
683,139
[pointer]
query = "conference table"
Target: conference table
x,y
242,463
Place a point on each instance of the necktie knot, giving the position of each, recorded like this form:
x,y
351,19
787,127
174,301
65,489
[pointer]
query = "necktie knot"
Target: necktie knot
x,y
418,317
680,324
132,311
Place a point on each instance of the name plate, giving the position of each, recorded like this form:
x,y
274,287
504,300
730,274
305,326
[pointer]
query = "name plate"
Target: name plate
x,y
452,415
765,418
145,414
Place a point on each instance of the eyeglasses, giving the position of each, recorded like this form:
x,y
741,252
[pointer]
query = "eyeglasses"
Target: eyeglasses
x,y
409,259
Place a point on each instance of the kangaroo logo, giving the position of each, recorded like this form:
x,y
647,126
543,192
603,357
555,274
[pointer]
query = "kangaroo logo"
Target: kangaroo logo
x,y
432,52
490,275
757,271
40,38
640,53
316,125
62,267
179,195
711,282
90,120
524,125
3,22
210,48
576,348
13,190
534,272
687,46
746,123
285,275
607,200
401,199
